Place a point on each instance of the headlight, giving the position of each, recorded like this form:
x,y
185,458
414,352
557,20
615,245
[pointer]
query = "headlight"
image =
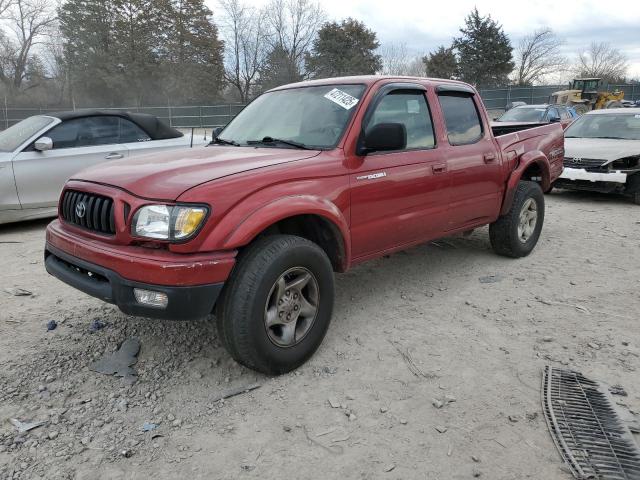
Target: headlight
x,y
168,222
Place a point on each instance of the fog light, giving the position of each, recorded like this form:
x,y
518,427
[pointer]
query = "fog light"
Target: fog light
x,y
153,299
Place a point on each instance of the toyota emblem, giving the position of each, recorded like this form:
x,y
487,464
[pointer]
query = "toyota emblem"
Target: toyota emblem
x,y
81,208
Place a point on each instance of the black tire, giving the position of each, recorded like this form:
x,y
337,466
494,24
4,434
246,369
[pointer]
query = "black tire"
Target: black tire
x,y
241,308
636,198
504,231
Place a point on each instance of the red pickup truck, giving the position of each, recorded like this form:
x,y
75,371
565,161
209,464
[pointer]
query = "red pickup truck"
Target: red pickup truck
x,y
309,179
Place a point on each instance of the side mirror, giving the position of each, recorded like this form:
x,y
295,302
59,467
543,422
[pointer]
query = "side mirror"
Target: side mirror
x,y
385,137
554,119
215,132
43,144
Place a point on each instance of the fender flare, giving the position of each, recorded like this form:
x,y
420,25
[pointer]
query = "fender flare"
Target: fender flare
x,y
525,161
290,206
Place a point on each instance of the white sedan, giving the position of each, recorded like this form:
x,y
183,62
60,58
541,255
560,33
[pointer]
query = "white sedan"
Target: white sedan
x,y
602,153
39,154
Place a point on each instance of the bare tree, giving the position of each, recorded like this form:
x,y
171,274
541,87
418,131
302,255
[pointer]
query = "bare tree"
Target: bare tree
x,y
395,58
604,61
31,22
293,26
244,36
537,56
4,7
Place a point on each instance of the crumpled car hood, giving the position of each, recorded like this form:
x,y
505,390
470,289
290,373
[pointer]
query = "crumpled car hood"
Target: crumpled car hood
x,y
165,176
600,148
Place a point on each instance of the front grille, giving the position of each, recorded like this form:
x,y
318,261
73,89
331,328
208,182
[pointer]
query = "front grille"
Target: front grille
x,y
585,427
589,164
90,211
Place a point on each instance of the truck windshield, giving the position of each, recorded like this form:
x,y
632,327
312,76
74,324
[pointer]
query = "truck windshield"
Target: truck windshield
x,y
16,135
311,117
523,114
623,126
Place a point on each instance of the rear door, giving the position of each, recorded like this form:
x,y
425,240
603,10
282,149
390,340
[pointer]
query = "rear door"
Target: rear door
x,y
399,197
77,144
473,160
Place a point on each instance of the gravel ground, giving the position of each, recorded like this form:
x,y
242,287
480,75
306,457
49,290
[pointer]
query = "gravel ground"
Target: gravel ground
x,y
447,325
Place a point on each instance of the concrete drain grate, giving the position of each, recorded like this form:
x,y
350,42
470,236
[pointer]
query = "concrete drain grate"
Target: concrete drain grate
x,y
584,425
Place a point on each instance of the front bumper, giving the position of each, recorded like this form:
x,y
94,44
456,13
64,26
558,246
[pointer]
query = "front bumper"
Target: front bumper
x,y
580,174
184,303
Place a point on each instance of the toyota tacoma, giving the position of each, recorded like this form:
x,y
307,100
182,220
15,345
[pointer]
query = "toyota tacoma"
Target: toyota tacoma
x,y
309,179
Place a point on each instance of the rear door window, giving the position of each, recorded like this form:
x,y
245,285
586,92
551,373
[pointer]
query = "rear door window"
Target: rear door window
x,y
461,118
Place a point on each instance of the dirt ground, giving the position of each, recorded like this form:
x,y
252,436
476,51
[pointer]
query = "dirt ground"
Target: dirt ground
x,y
448,321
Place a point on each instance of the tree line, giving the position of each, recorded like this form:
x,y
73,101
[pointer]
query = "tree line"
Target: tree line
x,y
179,52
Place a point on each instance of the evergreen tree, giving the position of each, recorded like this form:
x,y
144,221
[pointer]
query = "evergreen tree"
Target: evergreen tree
x,y
346,48
442,63
141,52
484,52
193,59
279,69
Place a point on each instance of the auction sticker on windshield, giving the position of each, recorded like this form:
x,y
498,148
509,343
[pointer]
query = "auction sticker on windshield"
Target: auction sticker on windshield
x,y
343,99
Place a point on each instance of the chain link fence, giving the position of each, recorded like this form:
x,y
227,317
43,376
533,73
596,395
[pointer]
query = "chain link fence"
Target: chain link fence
x,y
202,116
208,116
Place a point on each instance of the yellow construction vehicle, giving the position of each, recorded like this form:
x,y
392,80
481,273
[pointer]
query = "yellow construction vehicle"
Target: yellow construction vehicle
x,y
586,94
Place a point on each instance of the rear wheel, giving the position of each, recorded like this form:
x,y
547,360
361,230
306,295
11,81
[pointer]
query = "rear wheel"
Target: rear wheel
x,y
516,233
277,305
636,198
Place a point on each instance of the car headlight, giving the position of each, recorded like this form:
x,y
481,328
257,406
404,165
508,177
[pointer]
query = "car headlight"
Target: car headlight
x,y
168,222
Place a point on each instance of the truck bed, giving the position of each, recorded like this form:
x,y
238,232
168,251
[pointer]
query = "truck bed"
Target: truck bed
x,y
503,128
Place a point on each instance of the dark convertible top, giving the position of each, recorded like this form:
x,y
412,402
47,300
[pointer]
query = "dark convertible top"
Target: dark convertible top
x,y
149,123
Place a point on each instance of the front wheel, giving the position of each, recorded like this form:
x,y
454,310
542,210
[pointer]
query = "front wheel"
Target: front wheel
x,y
276,307
516,233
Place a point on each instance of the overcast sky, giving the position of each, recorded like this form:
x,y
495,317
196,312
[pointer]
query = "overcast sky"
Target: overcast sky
x,y
423,24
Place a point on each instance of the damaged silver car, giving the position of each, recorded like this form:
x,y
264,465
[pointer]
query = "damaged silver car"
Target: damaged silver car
x,y
602,153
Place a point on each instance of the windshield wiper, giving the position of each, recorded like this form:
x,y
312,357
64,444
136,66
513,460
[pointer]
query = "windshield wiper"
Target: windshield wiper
x,y
268,140
222,141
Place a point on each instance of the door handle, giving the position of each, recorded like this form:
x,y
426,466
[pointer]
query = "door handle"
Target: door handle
x,y
489,157
441,168
113,156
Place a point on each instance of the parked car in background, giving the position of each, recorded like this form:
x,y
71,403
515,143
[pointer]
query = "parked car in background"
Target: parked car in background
x,y
529,114
308,179
38,154
602,153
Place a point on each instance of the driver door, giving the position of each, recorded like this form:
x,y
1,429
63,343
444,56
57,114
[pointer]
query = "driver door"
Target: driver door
x,y
77,144
399,197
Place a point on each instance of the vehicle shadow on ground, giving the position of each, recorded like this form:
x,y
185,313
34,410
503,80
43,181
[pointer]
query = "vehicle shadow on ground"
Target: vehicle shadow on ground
x,y
579,196
24,226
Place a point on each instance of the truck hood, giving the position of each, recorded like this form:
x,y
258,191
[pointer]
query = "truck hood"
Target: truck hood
x,y
165,176
600,148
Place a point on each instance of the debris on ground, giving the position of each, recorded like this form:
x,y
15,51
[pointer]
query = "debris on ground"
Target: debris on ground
x,y
24,427
96,325
51,325
389,468
411,364
491,279
236,391
618,390
119,362
582,421
441,429
148,426
444,401
18,292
